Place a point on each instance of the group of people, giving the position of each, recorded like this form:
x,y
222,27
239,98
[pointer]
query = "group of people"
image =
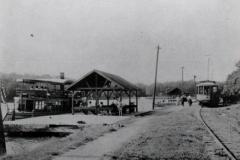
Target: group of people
x,y
40,88
184,99
116,101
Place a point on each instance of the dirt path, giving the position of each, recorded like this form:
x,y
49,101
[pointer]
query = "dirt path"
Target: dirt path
x,y
178,135
105,146
107,143
172,132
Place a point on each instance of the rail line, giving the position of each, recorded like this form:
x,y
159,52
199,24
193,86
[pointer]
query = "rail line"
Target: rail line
x,y
217,139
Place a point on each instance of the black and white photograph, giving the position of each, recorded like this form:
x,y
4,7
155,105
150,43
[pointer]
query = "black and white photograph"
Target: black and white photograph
x,y
120,79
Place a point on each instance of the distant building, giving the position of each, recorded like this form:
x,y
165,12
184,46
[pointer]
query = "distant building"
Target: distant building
x,y
176,92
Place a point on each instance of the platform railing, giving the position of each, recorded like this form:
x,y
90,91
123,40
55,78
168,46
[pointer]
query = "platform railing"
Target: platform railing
x,y
41,93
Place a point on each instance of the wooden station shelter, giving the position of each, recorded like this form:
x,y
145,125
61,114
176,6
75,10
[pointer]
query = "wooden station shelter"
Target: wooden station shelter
x,y
98,84
175,92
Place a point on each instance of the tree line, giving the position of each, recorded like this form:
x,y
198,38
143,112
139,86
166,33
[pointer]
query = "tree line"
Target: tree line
x,y
231,85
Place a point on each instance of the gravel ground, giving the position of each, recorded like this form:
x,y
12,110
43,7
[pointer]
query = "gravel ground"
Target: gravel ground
x,y
224,121
177,135
172,132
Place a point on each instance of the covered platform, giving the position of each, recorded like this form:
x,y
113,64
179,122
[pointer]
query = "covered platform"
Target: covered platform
x,y
98,86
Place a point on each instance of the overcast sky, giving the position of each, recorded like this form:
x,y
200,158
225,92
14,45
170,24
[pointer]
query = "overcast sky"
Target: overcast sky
x,y
120,37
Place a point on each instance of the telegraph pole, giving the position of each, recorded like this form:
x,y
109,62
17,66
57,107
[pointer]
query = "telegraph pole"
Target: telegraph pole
x,y
212,75
195,86
182,79
154,92
208,66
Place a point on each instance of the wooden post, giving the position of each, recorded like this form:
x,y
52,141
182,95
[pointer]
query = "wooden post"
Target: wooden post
x,y
51,102
62,106
72,103
33,105
182,81
129,98
47,104
96,89
2,136
108,98
137,101
154,92
195,87
21,96
120,95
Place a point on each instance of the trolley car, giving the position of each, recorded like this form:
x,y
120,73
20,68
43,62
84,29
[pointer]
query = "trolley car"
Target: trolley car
x,y
207,93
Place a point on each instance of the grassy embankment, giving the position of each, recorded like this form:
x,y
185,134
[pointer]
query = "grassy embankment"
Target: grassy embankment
x,y
178,135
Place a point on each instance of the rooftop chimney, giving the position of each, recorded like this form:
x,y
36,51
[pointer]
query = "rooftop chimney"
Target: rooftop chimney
x,y
62,75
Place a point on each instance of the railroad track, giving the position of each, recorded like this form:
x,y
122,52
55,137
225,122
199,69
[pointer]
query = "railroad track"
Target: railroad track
x,y
222,140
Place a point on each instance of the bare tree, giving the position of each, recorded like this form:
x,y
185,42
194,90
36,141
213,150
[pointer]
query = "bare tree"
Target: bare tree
x,y
2,136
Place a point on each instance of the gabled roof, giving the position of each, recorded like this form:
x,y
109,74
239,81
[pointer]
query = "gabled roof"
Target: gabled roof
x,y
174,91
50,81
90,81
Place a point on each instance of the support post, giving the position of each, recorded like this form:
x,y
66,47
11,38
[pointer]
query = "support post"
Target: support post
x,y
154,92
87,98
72,103
182,81
96,103
136,101
129,98
108,98
195,86
208,66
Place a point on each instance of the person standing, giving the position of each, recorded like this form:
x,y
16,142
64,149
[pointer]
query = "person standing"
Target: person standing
x,y
183,99
119,106
177,101
189,99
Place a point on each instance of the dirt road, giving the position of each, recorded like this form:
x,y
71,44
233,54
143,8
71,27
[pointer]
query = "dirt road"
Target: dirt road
x,y
165,134
107,143
172,132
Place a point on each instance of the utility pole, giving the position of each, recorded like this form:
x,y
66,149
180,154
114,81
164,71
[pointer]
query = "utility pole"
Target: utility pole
x,y
195,86
182,80
208,65
154,92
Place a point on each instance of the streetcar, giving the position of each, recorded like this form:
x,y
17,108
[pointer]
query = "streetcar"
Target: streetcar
x,y
208,93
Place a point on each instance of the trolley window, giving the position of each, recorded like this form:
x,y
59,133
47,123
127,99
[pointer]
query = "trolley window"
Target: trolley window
x,y
200,89
206,90
214,89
